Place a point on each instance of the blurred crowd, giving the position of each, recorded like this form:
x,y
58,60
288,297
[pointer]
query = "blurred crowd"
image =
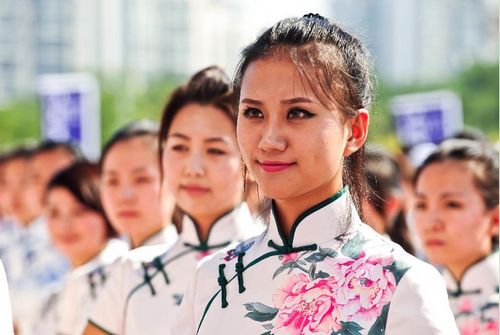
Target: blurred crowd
x,y
86,246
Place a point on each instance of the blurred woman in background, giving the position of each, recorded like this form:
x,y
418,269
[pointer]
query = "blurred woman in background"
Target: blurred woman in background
x,y
456,215
201,166
80,229
384,208
131,186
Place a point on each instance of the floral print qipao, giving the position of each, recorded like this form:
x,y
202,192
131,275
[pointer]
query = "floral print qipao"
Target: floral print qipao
x,y
474,299
333,276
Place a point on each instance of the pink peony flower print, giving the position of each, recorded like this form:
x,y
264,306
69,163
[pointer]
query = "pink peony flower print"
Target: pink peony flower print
x,y
469,327
289,257
364,287
465,305
306,307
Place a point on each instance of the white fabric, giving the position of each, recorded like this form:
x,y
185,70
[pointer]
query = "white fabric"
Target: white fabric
x,y
35,268
67,310
347,284
474,299
5,310
130,305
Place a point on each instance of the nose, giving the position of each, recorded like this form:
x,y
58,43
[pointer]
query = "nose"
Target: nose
x,y
272,138
433,221
127,192
194,165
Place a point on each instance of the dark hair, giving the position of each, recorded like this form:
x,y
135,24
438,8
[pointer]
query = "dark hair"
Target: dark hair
x,y
131,130
383,178
210,86
483,159
81,179
50,145
334,63
24,151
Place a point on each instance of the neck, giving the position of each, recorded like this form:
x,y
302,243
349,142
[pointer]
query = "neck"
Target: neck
x,y
139,239
458,270
288,210
205,222
79,260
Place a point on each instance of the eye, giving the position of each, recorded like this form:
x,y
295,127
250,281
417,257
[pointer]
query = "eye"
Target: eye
x,y
299,113
79,211
142,179
453,204
253,113
180,148
53,213
111,182
420,205
216,151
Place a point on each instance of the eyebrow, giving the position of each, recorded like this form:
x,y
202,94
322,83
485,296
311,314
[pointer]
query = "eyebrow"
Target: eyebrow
x,y
283,102
444,195
207,140
135,170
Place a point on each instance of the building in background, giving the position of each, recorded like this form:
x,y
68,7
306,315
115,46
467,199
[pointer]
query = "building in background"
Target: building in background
x,y
423,40
412,40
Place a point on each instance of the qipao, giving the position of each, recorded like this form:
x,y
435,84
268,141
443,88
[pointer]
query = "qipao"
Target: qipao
x,y
333,276
474,299
147,286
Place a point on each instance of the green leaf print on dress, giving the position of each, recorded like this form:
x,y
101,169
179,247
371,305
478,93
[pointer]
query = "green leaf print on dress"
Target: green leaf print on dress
x,y
331,294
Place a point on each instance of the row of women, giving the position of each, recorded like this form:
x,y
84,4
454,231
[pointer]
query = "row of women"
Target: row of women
x,y
243,211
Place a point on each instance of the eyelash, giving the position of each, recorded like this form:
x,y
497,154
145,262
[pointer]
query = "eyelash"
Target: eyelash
x,y
249,113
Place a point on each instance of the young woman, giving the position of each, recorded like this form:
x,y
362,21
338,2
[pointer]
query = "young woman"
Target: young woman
x,y
383,209
201,166
304,86
80,230
456,215
131,186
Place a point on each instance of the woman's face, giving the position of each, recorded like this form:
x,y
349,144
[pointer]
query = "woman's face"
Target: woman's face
x,y
131,188
202,163
450,215
291,143
76,230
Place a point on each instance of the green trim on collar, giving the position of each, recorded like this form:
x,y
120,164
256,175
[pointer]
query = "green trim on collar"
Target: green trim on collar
x,y
217,220
305,214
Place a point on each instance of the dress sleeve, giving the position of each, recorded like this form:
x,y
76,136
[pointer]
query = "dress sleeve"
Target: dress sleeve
x,y
185,323
107,311
420,304
6,314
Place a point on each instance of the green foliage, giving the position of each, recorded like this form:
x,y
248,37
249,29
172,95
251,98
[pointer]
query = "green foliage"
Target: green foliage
x,y
19,121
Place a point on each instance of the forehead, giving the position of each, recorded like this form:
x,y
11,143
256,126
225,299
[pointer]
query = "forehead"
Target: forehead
x,y
272,77
136,152
202,121
446,176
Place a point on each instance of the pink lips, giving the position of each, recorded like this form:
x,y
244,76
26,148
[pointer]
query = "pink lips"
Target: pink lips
x,y
195,190
271,166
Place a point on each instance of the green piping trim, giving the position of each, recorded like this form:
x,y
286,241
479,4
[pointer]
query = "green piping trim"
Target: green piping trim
x,y
217,220
100,328
252,263
299,219
305,214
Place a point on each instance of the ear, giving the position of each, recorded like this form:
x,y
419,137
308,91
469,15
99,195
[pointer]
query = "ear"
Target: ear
x,y
494,221
357,132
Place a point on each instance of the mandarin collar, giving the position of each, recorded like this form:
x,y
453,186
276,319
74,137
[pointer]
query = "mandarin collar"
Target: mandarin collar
x,y
166,235
230,226
325,221
482,275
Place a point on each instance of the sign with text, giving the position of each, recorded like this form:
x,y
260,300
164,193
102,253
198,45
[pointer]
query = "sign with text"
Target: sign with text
x,y
426,117
70,110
